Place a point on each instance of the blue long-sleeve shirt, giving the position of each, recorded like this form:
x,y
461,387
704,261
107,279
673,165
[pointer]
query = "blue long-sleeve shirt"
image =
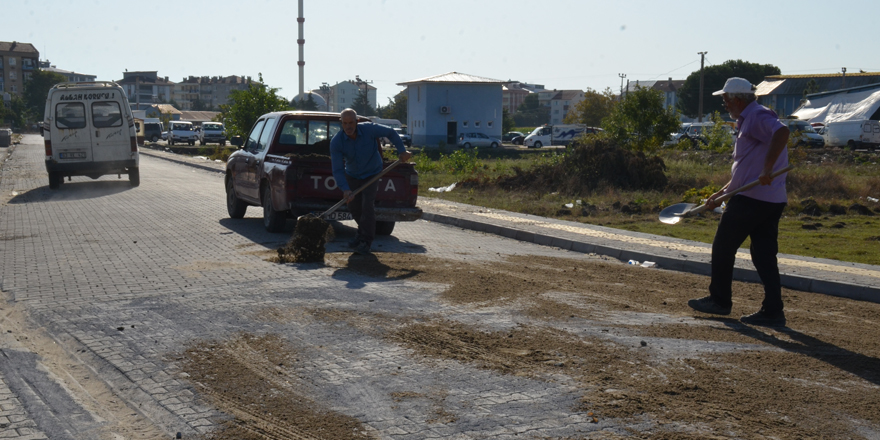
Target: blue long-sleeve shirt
x,y
360,157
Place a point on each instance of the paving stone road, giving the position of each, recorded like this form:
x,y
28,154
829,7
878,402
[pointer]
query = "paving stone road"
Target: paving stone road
x,y
121,278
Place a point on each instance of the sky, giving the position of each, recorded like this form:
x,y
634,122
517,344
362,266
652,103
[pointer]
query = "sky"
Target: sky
x,y
561,44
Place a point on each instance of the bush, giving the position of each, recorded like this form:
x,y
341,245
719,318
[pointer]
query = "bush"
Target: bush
x,y
462,162
587,165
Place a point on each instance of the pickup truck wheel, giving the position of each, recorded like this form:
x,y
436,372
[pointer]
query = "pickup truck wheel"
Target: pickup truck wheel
x,y
272,219
538,144
134,176
384,228
234,206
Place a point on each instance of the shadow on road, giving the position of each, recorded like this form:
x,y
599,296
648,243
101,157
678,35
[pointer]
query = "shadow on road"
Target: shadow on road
x,y
253,230
866,367
73,191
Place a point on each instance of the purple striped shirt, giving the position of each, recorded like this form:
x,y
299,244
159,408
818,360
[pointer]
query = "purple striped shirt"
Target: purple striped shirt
x,y
756,126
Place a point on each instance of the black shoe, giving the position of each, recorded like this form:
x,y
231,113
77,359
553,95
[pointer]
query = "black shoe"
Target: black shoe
x,y
363,248
708,305
353,244
765,319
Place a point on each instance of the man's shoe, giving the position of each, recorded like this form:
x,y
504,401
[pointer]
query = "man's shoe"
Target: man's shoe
x,y
765,319
353,244
708,305
363,248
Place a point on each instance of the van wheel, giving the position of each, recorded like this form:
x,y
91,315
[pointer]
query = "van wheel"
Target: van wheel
x,y
384,228
134,176
55,179
538,144
154,139
272,219
234,206
222,143
192,143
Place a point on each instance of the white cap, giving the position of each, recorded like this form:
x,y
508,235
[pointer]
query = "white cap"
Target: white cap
x,y
736,85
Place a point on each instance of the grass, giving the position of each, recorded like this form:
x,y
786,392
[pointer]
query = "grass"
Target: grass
x,y
826,177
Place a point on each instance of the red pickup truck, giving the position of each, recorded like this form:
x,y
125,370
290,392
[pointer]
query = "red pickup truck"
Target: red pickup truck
x,y
284,166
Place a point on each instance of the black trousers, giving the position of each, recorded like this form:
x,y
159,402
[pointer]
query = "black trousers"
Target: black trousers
x,y
759,220
363,207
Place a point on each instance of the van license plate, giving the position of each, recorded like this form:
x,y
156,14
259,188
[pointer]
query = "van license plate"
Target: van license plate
x,y
339,216
75,155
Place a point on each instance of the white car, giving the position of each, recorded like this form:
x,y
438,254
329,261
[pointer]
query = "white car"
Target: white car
x,y
470,140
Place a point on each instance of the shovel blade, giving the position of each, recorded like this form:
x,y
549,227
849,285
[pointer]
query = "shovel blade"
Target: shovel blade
x,y
673,214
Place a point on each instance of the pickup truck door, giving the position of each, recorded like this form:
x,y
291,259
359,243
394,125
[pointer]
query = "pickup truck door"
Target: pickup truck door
x,y
245,178
254,166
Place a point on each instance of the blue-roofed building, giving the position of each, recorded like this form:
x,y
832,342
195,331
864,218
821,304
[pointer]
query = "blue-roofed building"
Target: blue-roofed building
x,y
441,107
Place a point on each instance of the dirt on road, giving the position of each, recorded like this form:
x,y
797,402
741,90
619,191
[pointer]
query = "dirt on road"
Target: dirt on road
x,y
623,332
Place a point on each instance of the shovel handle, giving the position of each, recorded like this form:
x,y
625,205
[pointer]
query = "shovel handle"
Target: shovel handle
x,y
747,186
353,193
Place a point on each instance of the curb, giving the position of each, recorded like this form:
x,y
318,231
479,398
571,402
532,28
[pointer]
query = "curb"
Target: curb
x,y
796,282
182,162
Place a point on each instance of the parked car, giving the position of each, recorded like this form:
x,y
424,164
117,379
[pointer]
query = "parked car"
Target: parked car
x,y
807,136
510,135
153,131
470,140
164,135
404,136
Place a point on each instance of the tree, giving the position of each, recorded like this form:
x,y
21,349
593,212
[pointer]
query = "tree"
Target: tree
x,y
714,79
12,112
593,109
507,122
530,113
246,106
396,108
36,89
199,105
641,121
362,105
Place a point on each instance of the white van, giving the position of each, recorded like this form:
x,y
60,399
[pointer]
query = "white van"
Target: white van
x,y
181,132
88,130
853,134
212,132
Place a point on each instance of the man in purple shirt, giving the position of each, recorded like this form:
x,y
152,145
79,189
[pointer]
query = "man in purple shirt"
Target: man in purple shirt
x,y
759,150
356,157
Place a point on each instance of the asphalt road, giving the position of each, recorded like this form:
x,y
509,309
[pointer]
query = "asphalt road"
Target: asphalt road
x,y
105,284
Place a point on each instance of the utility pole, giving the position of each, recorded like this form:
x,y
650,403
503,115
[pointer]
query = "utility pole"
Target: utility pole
x,y
843,85
700,111
622,76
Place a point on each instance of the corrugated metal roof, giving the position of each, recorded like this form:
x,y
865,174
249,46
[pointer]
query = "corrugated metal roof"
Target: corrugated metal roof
x,y
453,77
768,86
188,115
796,84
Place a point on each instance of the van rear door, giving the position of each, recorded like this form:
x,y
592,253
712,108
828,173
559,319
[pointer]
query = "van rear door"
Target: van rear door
x,y
111,137
72,141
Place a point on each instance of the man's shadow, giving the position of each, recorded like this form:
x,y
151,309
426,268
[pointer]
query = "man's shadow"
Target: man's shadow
x,y
361,269
866,367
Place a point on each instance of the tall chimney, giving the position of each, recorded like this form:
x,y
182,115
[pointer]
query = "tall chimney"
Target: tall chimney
x,y
301,43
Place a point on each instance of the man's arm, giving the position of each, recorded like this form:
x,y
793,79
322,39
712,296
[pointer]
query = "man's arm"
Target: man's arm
x,y
777,144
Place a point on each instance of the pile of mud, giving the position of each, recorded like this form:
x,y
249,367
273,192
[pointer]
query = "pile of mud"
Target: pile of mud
x,y
587,166
307,243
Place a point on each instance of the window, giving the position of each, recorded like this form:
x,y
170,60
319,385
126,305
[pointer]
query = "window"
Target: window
x,y
106,114
267,132
867,128
12,61
12,75
13,89
489,124
294,132
254,138
477,124
70,115
335,127
317,132
464,123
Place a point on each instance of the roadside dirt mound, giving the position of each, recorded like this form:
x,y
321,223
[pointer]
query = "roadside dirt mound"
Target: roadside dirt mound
x,y
587,166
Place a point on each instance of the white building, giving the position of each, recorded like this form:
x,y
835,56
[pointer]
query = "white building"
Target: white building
x,y
343,94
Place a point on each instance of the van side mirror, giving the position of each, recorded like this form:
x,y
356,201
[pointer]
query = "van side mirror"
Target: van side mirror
x,y
236,140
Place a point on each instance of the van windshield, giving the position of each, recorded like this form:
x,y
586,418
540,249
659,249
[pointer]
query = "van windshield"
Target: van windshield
x,y
181,127
212,126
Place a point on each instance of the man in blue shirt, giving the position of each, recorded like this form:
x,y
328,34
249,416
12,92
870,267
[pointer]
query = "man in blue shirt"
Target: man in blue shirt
x,y
356,158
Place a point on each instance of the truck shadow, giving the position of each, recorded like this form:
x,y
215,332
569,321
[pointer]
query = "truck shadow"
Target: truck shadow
x,y
72,191
253,230
866,367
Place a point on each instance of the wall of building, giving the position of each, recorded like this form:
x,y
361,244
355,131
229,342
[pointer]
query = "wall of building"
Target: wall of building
x,y
474,108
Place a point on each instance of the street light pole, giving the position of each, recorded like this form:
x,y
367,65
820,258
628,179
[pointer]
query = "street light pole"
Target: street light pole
x,y
700,111
622,76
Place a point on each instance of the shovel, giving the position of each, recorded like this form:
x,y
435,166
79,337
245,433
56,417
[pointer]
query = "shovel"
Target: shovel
x,y
673,214
353,193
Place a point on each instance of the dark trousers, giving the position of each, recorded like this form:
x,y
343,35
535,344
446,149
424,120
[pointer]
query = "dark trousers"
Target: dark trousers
x,y
363,207
747,217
